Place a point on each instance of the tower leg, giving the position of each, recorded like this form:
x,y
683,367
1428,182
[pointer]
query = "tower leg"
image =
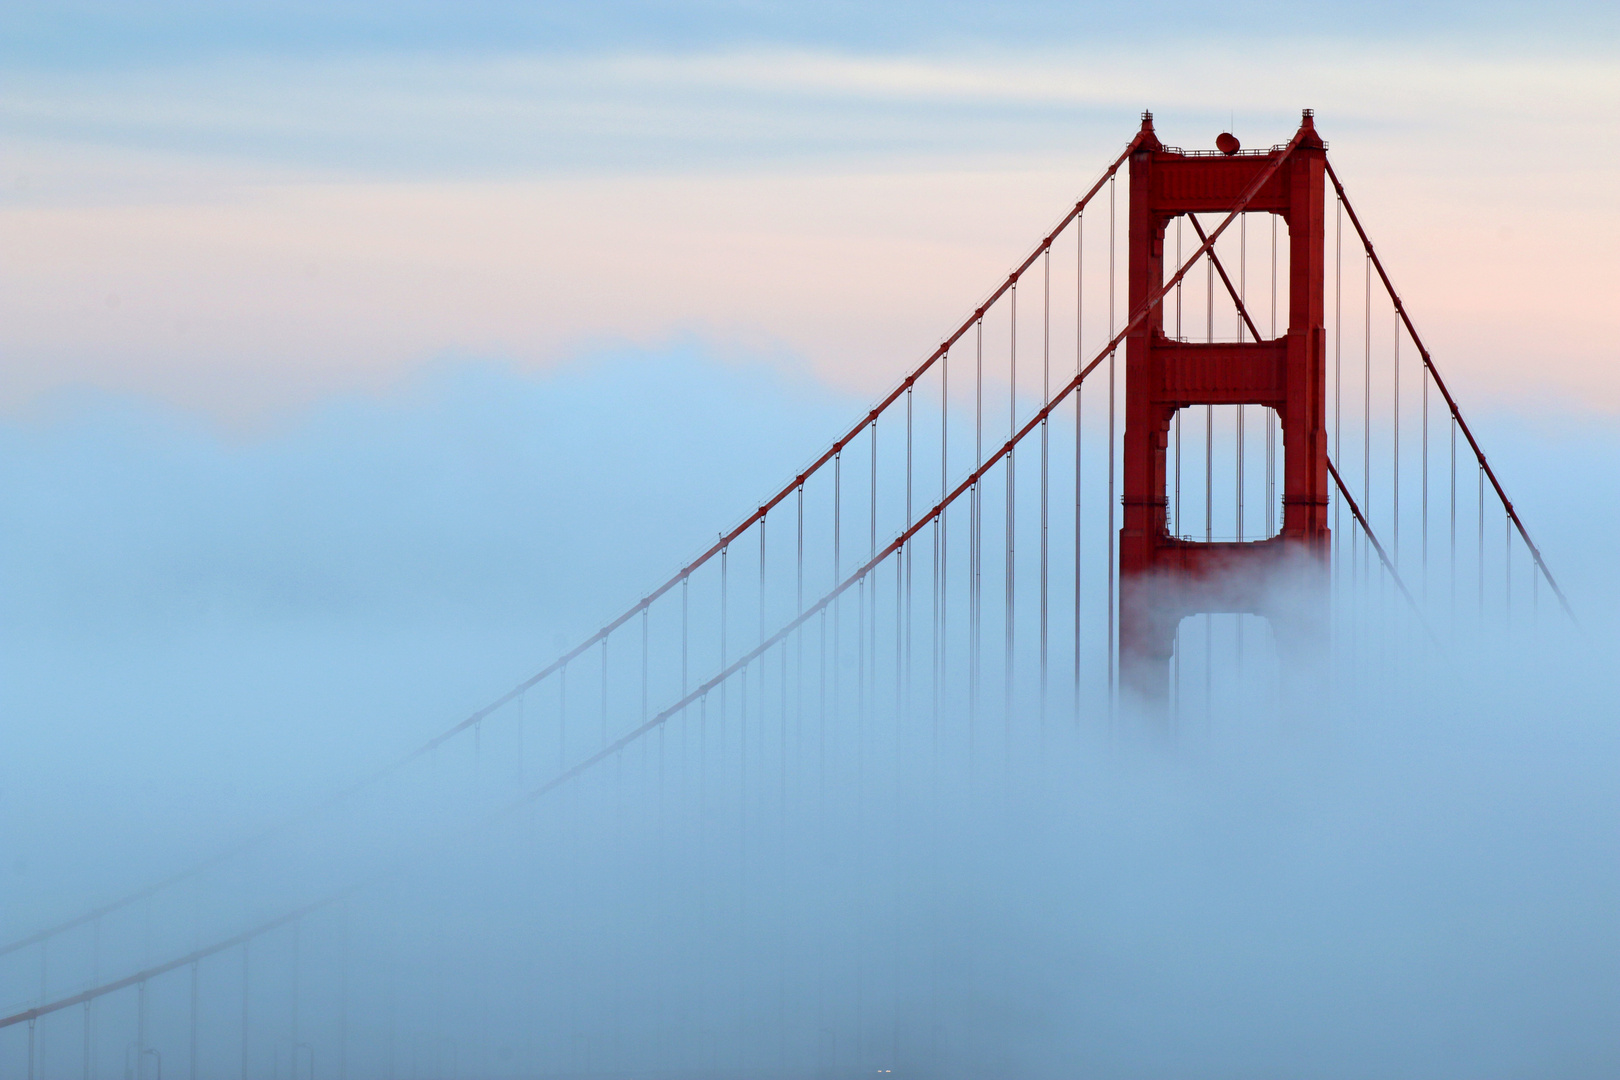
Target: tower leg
x,y
1147,637
1296,605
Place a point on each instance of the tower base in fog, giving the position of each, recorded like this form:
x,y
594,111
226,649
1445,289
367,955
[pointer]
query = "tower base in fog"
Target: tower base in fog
x,y
1276,580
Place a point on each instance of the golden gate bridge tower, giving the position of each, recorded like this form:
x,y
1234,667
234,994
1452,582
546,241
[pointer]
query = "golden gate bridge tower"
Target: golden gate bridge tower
x,y
1164,578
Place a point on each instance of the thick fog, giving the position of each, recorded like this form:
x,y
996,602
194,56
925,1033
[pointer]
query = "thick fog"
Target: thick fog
x,y
850,859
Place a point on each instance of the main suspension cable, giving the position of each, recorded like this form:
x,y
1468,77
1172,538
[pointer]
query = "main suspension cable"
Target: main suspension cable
x,y
700,693
556,666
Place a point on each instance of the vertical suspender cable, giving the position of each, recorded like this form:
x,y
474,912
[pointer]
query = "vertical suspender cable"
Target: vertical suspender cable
x,y
1366,408
908,552
741,929
1395,450
860,682
1079,397
899,639
1046,393
1453,517
975,541
1338,344
821,724
902,634
725,555
866,639
871,512
783,870
1423,373
941,536
1007,575
1112,539
1480,503
868,636
1338,350
938,642
798,635
837,563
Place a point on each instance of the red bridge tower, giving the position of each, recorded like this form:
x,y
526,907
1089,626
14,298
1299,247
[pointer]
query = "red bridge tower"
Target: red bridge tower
x,y
1284,578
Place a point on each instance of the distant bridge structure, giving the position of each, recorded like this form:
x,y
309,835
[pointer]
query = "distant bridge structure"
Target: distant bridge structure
x,y
1018,541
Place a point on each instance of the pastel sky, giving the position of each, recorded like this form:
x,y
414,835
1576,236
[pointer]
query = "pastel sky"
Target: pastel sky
x,y
361,357
246,208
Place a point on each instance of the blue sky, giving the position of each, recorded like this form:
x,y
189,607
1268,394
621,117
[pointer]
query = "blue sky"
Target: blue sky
x,y
93,34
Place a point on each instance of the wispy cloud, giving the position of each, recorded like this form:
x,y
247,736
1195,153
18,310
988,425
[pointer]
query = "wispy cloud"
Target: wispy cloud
x,y
433,114
304,225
